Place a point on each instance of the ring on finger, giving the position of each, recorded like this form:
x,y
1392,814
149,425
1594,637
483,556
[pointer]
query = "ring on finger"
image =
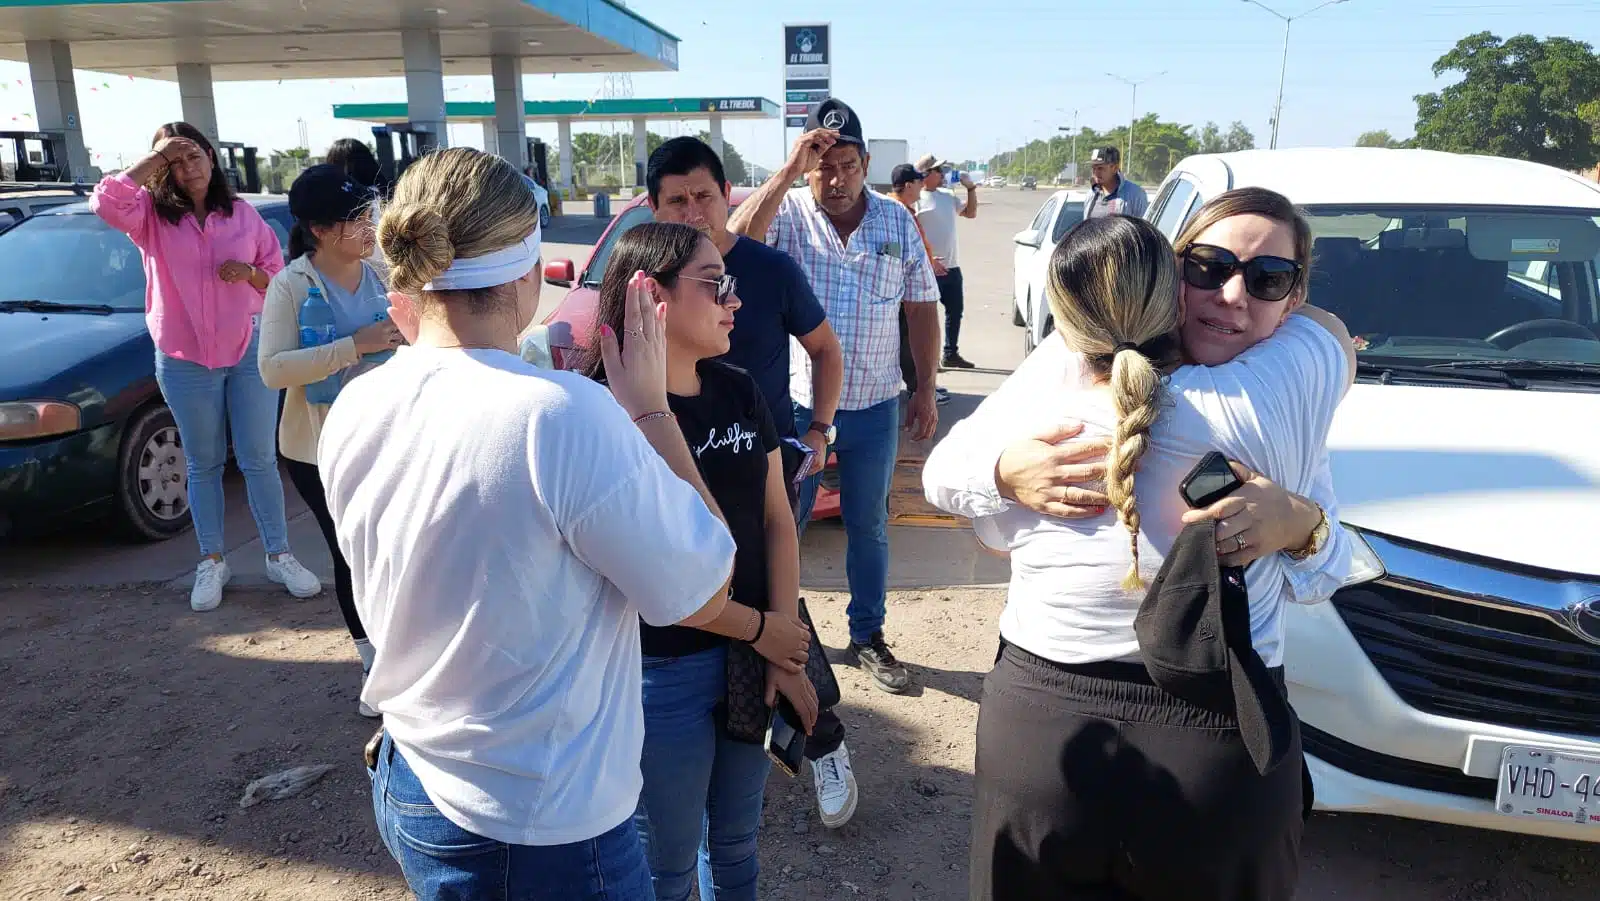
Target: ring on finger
x,y
634,332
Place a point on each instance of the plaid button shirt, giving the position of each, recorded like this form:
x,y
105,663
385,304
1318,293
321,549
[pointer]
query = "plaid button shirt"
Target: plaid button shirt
x,y
860,285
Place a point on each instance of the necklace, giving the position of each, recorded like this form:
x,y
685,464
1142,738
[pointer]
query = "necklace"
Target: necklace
x,y
468,346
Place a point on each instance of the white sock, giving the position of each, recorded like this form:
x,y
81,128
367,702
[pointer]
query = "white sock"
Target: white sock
x,y
364,648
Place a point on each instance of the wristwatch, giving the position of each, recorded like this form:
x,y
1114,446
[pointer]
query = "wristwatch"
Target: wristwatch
x,y
829,431
1319,537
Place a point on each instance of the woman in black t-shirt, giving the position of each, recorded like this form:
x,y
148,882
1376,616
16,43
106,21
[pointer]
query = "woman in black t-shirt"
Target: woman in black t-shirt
x,y
702,788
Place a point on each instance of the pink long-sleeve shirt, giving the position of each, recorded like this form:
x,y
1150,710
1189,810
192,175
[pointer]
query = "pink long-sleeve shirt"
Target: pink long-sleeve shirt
x,y
192,313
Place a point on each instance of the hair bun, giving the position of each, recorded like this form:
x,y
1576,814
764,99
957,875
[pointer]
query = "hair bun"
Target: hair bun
x,y
416,242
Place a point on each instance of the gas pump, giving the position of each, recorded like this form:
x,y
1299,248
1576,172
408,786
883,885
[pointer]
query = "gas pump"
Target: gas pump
x,y
239,164
398,146
33,156
538,158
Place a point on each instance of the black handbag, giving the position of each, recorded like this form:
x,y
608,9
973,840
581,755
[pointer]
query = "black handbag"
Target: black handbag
x,y
745,710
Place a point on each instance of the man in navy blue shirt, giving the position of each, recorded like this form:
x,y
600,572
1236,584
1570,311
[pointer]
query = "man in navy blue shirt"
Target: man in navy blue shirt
x,y
686,184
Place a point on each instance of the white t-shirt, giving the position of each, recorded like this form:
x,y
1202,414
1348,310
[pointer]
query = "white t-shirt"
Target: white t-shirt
x,y
506,528
1270,409
936,213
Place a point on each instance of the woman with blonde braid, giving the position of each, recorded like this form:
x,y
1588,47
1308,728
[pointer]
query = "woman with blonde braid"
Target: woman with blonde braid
x,y
1092,781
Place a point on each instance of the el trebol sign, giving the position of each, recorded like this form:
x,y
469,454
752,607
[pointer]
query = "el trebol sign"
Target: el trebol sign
x,y
807,68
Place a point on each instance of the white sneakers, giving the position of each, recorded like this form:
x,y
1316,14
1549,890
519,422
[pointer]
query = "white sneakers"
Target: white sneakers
x,y
211,575
287,571
836,787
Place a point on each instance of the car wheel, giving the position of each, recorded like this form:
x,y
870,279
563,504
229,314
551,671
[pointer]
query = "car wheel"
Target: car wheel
x,y
152,477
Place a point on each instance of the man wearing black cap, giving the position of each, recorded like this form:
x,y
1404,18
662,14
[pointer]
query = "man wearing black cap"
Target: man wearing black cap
x,y
905,183
866,262
1112,194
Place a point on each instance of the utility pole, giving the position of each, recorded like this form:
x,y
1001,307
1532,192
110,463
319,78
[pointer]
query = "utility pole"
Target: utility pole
x,y
1127,158
1073,159
1283,68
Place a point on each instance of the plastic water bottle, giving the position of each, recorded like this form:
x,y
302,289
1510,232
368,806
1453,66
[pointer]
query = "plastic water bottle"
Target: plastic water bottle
x,y
317,328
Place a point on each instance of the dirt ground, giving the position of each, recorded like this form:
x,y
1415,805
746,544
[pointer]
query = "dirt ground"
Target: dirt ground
x,y
129,728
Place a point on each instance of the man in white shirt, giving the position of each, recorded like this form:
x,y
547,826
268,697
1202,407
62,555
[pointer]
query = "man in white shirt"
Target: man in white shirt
x,y
936,212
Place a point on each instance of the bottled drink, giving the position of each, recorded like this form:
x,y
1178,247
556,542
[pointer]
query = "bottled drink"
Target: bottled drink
x,y
317,327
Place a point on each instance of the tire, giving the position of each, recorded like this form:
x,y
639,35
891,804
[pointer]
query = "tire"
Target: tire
x,y
152,487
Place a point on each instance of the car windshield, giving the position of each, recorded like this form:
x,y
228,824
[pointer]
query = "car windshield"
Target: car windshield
x,y
633,216
71,258
1425,285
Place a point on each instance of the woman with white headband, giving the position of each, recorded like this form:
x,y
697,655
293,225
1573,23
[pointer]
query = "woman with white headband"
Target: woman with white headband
x,y
506,528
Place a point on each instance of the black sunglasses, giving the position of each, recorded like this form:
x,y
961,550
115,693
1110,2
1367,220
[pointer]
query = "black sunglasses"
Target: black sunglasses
x,y
1269,278
725,286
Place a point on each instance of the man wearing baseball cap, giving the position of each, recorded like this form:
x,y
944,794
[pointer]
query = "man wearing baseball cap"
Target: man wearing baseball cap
x,y
905,181
1112,194
937,211
866,262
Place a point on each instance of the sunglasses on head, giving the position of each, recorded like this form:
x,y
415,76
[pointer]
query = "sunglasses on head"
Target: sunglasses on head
x,y
1265,277
725,286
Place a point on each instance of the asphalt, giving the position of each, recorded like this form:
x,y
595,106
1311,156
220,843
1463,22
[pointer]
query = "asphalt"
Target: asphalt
x,y
921,557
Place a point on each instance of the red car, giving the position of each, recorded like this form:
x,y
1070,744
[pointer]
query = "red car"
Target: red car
x,y
570,325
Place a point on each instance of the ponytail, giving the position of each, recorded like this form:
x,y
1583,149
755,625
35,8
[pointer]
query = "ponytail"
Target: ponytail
x,y
301,240
1136,394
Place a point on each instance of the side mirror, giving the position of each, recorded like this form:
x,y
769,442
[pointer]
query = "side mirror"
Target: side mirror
x,y
560,273
1026,238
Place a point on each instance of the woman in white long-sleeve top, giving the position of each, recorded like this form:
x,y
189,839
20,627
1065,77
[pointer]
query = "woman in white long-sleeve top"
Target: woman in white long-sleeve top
x,y
1089,776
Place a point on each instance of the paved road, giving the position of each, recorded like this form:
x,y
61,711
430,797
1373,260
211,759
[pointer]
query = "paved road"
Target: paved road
x,y
1346,856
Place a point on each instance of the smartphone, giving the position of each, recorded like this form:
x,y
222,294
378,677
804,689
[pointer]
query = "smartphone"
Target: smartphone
x,y
1211,480
807,455
786,738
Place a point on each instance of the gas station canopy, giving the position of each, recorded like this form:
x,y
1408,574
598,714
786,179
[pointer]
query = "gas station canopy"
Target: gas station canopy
x,y
258,40
670,109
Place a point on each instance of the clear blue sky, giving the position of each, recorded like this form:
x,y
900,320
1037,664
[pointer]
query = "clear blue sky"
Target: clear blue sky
x,y
962,86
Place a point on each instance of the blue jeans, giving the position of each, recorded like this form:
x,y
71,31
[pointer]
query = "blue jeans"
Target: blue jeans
x,y
867,444
700,809
443,862
207,404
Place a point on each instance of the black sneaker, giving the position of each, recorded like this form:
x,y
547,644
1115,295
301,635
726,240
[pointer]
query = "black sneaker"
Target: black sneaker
x,y
876,658
957,361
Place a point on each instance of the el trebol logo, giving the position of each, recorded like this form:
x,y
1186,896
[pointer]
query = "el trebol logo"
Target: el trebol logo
x,y
805,48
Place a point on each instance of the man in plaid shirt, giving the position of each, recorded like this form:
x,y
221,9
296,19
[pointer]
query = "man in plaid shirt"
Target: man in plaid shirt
x,y
866,262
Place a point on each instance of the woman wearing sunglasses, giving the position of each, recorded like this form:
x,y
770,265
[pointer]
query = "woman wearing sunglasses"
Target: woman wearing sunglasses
x,y
1092,782
700,809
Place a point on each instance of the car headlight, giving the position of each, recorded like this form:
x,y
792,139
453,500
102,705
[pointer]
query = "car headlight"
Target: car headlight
x,y
21,420
1364,563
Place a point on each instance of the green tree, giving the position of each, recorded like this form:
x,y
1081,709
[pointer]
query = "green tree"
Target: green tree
x,y
1211,139
1518,98
595,157
1378,138
1239,137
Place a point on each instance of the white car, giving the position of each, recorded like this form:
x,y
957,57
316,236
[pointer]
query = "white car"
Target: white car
x,y
1030,261
996,181
1456,675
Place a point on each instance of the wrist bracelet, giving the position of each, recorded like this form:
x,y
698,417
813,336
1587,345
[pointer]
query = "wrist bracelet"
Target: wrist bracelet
x,y
659,414
761,628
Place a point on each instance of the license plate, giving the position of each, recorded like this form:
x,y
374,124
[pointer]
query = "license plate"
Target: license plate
x,y
1542,784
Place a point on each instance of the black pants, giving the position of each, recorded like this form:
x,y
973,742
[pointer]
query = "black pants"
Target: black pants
x,y
308,482
828,734
908,363
953,296
1091,783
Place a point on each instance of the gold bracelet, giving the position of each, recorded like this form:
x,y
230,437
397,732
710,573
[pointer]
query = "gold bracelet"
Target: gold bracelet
x,y
659,414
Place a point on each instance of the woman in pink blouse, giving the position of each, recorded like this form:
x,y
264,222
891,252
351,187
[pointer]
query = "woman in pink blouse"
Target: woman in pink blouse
x,y
208,257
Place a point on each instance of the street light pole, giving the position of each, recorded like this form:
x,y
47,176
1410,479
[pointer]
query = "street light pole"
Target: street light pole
x,y
1283,68
1072,160
1127,162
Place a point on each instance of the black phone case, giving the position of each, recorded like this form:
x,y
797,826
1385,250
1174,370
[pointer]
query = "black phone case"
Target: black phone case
x,y
790,758
1208,463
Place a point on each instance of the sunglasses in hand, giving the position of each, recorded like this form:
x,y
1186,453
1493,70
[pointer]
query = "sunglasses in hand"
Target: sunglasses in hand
x,y
1268,278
